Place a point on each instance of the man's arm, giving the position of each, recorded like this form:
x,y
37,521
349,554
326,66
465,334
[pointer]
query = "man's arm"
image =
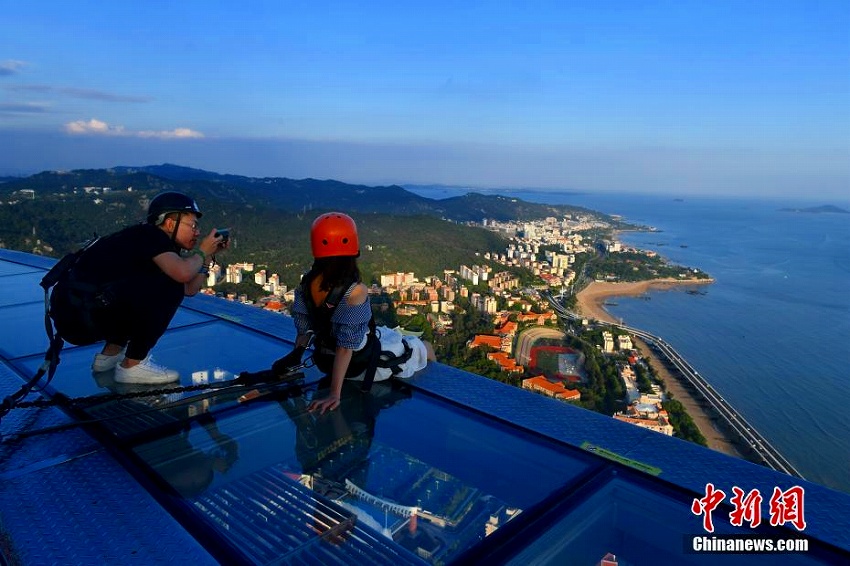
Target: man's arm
x,y
181,269
192,287
187,269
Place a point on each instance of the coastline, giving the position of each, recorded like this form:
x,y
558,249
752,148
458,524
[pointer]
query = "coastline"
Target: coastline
x,y
591,299
591,302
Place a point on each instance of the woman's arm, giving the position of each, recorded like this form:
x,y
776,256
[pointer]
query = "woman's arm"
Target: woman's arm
x,y
342,358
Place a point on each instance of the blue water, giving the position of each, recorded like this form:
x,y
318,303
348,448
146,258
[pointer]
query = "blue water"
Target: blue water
x,y
772,334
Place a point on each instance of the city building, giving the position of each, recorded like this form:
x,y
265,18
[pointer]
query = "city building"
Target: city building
x,y
658,424
607,342
556,390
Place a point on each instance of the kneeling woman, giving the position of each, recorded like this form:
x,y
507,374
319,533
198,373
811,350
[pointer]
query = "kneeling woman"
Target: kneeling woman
x,y
333,303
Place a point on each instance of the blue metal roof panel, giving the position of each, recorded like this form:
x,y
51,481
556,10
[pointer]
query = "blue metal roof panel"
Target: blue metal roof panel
x,y
21,288
18,457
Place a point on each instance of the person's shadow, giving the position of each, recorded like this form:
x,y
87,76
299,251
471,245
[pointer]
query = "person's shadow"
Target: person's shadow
x,y
190,470
158,427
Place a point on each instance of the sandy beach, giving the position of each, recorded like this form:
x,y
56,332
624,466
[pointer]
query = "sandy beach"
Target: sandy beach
x,y
591,304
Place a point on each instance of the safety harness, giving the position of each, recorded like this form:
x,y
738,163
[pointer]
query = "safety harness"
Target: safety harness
x,y
369,358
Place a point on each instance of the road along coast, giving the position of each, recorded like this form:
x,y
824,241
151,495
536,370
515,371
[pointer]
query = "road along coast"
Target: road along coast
x,y
591,301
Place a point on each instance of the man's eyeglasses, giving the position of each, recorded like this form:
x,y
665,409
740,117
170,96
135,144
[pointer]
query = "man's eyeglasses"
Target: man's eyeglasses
x,y
193,226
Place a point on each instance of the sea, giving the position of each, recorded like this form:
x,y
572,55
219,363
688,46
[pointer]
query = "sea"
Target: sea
x,y
772,333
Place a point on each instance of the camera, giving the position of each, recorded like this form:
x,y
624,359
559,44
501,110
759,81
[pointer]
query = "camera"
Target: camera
x,y
224,233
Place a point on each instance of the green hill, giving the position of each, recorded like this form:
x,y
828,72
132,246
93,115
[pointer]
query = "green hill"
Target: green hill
x,y
55,213
303,196
52,212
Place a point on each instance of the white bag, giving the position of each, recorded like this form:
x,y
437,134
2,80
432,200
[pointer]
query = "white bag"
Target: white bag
x,y
393,341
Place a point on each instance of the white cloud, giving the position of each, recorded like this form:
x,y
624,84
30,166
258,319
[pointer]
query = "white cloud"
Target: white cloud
x,y
98,127
172,134
11,67
93,126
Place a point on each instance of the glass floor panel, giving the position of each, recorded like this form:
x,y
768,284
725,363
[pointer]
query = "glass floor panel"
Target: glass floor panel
x,y
403,465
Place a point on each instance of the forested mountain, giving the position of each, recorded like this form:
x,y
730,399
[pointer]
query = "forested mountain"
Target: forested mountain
x,y
286,194
52,212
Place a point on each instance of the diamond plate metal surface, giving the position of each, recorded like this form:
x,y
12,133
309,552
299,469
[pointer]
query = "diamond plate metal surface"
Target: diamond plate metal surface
x,y
90,511
64,501
20,454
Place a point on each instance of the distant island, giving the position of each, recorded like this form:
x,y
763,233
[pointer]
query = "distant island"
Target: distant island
x,y
818,209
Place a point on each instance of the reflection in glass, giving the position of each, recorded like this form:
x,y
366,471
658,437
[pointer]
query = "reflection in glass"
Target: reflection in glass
x,y
421,474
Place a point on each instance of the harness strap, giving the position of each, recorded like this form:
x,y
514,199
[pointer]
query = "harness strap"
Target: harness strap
x,y
372,367
321,305
383,359
395,362
51,357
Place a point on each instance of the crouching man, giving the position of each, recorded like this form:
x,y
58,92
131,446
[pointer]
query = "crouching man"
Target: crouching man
x,y
127,287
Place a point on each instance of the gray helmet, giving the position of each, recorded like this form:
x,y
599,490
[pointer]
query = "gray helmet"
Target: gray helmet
x,y
164,203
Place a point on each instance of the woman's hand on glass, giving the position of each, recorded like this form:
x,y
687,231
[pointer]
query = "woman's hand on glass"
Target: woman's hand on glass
x,y
329,403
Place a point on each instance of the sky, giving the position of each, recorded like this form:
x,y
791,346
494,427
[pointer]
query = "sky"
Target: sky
x,y
685,97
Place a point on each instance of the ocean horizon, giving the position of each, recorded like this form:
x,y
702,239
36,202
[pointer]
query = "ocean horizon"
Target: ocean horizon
x,y
770,333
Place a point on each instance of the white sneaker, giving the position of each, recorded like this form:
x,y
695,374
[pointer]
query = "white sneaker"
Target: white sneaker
x,y
146,373
102,362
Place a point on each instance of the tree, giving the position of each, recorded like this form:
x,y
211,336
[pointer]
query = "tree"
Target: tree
x,y
248,288
642,378
418,323
383,309
683,424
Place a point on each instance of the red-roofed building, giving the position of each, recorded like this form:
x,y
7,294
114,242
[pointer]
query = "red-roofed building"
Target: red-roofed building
x,y
555,390
507,363
507,329
494,342
536,318
659,424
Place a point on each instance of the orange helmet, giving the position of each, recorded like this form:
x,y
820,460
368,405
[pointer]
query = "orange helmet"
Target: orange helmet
x,y
334,234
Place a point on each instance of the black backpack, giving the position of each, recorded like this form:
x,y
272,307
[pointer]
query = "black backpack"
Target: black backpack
x,y
71,302
61,305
